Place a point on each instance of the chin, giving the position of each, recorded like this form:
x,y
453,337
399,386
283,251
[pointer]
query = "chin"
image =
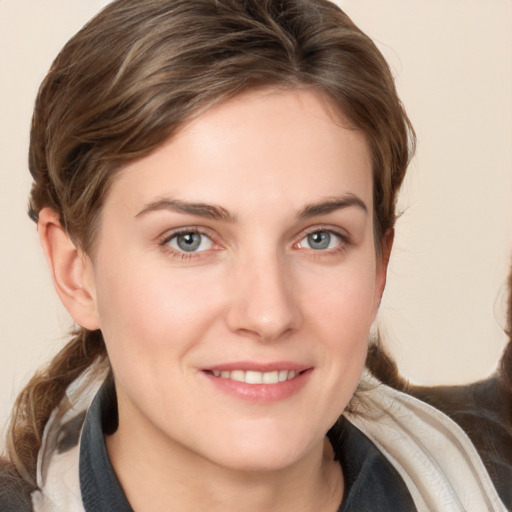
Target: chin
x,y
264,451
261,461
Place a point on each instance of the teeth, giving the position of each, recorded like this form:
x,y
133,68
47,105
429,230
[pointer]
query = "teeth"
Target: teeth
x,y
238,375
270,377
252,377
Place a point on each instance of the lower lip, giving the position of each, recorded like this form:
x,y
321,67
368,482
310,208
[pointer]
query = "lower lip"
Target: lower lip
x,y
261,393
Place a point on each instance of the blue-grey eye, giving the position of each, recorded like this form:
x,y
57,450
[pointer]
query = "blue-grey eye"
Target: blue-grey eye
x,y
190,241
320,240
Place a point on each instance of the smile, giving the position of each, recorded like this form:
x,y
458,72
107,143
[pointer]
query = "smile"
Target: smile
x,y
255,377
258,382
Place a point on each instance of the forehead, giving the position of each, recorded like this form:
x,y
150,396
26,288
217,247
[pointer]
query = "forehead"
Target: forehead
x,y
257,150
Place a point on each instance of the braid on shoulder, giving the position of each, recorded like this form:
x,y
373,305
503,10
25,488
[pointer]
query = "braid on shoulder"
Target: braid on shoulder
x,y
42,394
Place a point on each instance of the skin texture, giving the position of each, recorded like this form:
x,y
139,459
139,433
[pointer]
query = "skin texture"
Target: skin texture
x,y
255,292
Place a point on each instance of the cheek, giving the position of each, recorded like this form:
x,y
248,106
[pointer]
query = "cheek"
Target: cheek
x,y
148,312
343,302
341,312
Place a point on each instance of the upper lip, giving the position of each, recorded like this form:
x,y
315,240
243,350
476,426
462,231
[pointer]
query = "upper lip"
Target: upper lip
x,y
258,366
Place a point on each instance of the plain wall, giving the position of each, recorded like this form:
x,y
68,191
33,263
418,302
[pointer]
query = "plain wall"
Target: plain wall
x,y
443,310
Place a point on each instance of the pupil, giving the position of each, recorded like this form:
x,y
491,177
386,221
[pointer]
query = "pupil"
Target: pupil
x,y
189,241
319,240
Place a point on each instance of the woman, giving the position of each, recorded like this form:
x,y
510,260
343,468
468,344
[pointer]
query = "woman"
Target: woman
x,y
214,187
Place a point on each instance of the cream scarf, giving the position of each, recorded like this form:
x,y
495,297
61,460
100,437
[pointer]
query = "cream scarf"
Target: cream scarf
x,y
435,458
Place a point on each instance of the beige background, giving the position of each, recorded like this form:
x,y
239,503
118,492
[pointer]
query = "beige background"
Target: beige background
x,y
443,310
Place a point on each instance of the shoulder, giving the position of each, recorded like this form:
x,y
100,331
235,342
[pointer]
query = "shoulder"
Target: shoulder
x,y
480,409
14,491
437,460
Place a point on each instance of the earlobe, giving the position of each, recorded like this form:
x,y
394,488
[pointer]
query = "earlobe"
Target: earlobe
x,y
70,268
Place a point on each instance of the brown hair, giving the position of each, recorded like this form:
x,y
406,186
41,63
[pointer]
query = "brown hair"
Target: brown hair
x,y
504,373
136,72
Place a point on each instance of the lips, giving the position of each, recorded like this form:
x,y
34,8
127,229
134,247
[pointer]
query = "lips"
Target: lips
x,y
259,383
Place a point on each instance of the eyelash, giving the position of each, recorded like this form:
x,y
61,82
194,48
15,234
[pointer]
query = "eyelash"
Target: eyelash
x,y
344,241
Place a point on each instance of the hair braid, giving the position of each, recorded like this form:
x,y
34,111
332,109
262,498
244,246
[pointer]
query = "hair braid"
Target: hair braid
x,y
39,397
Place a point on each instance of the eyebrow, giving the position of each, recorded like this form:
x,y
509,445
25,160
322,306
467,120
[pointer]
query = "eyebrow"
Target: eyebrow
x,y
331,205
216,212
209,211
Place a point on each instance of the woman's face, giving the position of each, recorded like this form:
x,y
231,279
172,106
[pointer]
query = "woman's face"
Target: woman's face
x,y
235,281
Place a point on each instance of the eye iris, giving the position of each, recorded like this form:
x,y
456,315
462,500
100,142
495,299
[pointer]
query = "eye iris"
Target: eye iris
x,y
189,241
319,240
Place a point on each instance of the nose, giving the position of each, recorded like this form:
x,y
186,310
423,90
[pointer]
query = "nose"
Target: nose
x,y
264,304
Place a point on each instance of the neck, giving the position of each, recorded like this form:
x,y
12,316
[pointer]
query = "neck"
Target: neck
x,y
171,474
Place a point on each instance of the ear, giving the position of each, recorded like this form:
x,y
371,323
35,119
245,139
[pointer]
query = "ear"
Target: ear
x,y
71,270
382,266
